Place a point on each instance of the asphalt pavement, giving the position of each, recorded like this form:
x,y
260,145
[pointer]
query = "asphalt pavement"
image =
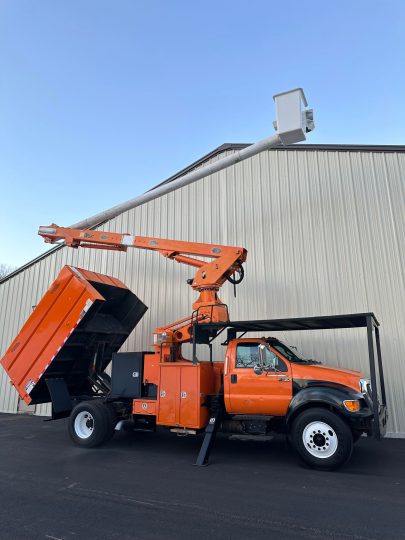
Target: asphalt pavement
x,y
144,486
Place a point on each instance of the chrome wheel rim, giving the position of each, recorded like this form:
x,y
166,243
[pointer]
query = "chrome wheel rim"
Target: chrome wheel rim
x,y
84,425
320,440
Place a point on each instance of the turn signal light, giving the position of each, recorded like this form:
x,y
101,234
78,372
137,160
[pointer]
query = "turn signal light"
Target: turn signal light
x,y
352,405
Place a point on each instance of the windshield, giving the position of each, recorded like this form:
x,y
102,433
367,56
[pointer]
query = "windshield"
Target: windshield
x,y
288,353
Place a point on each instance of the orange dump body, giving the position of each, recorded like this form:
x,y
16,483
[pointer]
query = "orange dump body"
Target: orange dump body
x,y
83,318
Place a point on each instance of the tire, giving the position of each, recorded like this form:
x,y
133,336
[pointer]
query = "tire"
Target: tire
x,y
91,423
322,439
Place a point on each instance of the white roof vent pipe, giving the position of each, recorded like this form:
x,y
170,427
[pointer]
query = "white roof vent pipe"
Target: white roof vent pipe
x,y
292,123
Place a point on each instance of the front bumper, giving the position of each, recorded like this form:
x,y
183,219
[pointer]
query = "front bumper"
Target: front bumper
x,y
366,423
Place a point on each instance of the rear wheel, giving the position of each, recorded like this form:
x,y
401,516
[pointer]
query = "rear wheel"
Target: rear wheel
x,y
322,439
91,423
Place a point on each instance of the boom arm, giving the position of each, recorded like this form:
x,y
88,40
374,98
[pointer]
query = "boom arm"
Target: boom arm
x,y
212,274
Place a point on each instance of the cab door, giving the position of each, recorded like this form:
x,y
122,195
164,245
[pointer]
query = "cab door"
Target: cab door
x,y
246,392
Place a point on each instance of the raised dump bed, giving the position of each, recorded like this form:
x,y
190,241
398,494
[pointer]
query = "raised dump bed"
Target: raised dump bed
x,y
70,336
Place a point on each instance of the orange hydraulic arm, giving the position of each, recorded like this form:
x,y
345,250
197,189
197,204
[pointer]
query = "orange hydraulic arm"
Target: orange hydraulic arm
x,y
211,275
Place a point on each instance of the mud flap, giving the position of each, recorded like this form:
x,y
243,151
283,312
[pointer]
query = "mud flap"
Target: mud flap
x,y
61,400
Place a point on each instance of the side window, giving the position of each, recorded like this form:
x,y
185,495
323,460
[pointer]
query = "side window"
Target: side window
x,y
247,355
273,361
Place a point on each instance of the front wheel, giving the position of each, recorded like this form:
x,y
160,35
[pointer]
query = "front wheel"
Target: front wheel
x,y
322,439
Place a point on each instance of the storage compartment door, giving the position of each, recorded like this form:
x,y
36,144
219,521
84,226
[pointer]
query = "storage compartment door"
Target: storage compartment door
x,y
169,395
126,374
190,396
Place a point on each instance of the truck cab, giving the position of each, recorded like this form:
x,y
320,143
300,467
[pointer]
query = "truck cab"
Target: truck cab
x,y
262,375
269,388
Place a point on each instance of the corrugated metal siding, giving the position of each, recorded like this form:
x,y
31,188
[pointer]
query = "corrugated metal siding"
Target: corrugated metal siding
x,y
323,230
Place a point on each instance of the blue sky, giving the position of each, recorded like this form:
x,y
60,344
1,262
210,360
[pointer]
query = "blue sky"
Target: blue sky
x,y
100,100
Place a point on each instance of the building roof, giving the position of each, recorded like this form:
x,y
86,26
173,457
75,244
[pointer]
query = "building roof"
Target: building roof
x,y
226,147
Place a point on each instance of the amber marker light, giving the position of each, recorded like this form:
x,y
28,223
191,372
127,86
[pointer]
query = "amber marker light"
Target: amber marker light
x,y
352,405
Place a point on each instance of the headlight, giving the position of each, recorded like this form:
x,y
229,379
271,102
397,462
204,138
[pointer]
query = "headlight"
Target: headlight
x,y
365,386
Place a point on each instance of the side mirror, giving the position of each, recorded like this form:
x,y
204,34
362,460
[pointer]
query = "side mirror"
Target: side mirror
x,y
262,355
260,367
258,370
267,363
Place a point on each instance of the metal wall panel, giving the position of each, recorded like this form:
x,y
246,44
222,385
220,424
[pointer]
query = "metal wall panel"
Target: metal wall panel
x,y
324,231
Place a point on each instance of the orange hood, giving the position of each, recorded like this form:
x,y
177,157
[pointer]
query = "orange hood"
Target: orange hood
x,y
320,372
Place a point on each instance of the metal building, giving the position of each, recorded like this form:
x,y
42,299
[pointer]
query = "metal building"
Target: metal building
x,y
324,227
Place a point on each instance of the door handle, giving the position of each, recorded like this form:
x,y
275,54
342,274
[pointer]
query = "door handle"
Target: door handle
x,y
284,379
234,378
